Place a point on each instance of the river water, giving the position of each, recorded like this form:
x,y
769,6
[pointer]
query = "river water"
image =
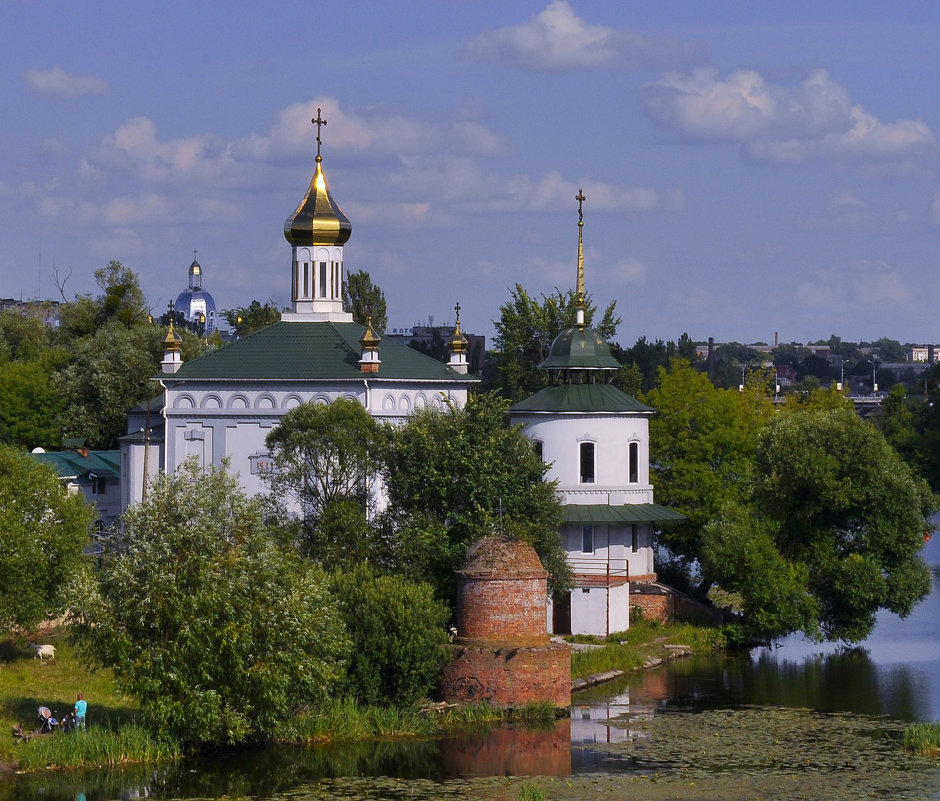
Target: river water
x,y
796,720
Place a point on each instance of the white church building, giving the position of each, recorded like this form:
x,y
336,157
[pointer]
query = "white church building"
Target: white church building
x,y
595,440
225,402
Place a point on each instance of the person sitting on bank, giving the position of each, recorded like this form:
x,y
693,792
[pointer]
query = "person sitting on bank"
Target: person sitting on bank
x,y
81,706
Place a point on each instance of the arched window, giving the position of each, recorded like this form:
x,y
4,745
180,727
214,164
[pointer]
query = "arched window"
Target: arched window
x,y
537,447
586,462
634,452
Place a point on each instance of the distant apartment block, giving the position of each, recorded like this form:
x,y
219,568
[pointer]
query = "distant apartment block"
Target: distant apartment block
x,y
45,310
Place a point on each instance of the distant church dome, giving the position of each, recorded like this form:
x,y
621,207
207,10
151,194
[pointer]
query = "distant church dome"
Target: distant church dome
x,y
195,304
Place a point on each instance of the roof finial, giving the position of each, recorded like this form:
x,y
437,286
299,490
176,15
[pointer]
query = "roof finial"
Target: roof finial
x,y
580,285
318,121
194,254
457,312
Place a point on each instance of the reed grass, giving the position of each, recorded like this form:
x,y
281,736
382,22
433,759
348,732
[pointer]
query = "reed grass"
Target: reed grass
x,y
95,748
923,738
529,792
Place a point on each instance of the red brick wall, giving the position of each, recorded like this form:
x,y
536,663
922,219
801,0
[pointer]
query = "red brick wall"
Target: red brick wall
x,y
504,610
509,676
672,606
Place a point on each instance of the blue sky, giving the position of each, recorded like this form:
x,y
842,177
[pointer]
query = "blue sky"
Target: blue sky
x,y
751,169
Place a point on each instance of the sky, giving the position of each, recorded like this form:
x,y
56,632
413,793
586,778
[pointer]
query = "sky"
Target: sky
x,y
752,170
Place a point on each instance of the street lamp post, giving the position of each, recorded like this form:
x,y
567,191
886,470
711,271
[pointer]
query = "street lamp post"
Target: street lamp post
x,y
874,385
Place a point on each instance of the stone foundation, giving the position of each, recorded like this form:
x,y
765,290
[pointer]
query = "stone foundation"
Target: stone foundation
x,y
509,676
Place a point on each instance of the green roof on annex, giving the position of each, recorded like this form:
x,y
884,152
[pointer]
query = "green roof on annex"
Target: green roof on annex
x,y
599,398
80,464
311,351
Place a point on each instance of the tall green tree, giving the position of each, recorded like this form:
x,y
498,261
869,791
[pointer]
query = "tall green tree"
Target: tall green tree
x,y
43,534
525,331
846,518
365,300
108,374
702,449
456,474
328,459
215,630
30,406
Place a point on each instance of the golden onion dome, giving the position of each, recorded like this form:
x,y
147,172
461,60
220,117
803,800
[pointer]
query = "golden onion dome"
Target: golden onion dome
x,y
318,220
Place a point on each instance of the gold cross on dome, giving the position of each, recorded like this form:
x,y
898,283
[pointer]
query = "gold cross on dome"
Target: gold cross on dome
x,y
580,198
319,122
457,311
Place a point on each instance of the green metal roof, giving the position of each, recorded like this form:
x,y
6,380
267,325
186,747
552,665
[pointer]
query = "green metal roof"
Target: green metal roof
x,y
581,398
68,464
312,351
579,348
628,513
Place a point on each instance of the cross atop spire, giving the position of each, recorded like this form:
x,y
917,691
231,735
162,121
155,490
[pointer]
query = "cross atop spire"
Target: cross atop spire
x,y
580,198
319,122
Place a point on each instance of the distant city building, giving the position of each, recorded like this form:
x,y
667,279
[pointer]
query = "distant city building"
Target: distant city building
x,y
434,340
45,310
927,353
195,303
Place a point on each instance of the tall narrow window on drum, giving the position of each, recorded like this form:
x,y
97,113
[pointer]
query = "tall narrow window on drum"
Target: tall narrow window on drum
x,y
634,451
322,279
337,285
586,453
339,280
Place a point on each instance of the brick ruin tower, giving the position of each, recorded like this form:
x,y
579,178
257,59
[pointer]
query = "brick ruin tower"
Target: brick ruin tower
x,y
502,652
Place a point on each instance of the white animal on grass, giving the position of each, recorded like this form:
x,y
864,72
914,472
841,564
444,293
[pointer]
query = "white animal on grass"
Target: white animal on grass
x,y
43,651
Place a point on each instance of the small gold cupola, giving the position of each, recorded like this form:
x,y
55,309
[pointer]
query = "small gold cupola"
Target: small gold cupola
x,y
458,348
369,363
317,231
172,342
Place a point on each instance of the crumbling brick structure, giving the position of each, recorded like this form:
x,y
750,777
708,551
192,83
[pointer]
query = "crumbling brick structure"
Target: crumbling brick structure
x,y
502,653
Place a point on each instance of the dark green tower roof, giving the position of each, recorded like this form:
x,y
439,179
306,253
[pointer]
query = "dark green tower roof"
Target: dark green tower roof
x,y
579,348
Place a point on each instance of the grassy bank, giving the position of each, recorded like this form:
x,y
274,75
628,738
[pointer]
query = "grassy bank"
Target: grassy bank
x,y
26,683
923,738
645,640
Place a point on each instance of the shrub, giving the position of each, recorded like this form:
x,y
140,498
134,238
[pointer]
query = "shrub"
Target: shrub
x,y
398,634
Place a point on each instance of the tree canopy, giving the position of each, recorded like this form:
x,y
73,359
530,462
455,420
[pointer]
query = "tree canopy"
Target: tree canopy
x,y
328,458
244,320
43,533
365,300
525,331
457,474
841,522
218,632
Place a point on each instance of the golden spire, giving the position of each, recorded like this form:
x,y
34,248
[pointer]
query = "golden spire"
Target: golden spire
x,y
580,284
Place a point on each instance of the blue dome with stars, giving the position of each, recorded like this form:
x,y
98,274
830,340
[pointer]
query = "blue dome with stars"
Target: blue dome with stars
x,y
195,304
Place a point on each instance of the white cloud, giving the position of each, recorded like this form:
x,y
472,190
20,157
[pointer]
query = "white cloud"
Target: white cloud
x,y
815,120
59,83
556,39
865,284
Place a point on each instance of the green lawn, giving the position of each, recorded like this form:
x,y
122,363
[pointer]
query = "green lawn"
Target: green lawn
x,y
26,683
